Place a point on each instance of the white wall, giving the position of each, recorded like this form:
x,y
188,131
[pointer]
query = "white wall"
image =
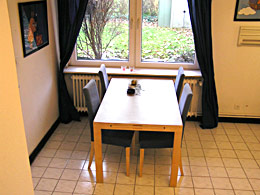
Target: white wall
x,y
237,68
15,174
37,77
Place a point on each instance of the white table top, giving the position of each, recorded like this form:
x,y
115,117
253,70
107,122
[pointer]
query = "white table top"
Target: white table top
x,y
156,105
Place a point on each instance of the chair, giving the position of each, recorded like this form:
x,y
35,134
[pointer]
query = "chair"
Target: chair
x,y
113,137
165,140
103,79
179,82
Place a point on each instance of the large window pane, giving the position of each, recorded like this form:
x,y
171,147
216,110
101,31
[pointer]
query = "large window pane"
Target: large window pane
x,y
166,32
104,34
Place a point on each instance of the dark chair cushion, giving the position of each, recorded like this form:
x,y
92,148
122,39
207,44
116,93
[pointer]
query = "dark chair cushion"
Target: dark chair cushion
x,y
156,139
117,137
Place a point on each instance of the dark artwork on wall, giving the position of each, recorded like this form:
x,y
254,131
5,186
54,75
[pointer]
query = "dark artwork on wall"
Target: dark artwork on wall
x,y
34,26
247,10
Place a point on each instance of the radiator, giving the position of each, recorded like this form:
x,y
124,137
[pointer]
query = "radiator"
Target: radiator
x,y
79,81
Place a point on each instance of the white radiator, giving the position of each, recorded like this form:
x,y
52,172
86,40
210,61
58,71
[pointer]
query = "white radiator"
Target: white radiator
x,y
79,81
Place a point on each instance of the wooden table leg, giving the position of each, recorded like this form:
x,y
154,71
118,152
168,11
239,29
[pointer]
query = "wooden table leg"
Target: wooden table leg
x,y
175,158
98,153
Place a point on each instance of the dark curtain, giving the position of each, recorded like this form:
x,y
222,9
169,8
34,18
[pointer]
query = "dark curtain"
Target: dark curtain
x,y
200,15
70,16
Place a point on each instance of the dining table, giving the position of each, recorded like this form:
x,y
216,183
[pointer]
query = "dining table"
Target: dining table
x,y
152,107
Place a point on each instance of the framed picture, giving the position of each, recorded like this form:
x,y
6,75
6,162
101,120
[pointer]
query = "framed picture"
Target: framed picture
x,y
247,10
34,26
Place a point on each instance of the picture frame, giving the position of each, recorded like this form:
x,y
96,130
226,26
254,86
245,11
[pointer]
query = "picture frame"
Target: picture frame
x,y
247,10
34,26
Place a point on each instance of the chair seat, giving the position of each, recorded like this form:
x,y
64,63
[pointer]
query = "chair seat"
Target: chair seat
x,y
156,139
117,137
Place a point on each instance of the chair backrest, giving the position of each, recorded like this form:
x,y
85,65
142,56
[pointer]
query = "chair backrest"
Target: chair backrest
x,y
185,101
92,100
179,82
103,79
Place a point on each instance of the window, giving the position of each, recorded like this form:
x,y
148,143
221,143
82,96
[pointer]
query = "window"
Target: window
x,y
147,33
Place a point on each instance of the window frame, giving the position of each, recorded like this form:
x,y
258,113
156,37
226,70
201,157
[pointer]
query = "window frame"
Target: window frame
x,y
135,42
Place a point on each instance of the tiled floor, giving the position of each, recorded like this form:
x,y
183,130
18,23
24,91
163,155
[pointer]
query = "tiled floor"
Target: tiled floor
x,y
223,161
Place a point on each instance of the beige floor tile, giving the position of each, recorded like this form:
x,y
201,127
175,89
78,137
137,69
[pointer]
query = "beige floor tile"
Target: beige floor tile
x,y
255,184
240,184
133,167
185,161
195,152
42,193
124,189
162,180
65,186
149,168
202,182
37,171
253,146
35,181
224,145
110,177
84,188
52,144
197,161
211,153
163,160
204,191
224,192
164,190
193,144
250,139
235,138
111,167
256,154
227,153
41,162
184,191
145,180
232,131
252,173
113,158
257,192
163,152
123,179
67,145
79,155
162,169
217,172
239,146
88,176
236,172
206,137
184,182
46,184
231,162
221,138
208,144
244,154
242,126
71,174
144,190
58,163
216,162
199,171
186,170
242,192
75,164
221,183
45,152
53,173
104,189
248,163
63,154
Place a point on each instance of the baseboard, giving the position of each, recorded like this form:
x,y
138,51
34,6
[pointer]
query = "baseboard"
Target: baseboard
x,y
229,119
43,141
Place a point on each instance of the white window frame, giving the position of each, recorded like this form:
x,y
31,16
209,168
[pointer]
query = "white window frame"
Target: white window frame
x,y
135,36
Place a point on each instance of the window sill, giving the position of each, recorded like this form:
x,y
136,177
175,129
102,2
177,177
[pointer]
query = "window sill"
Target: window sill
x,y
137,72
